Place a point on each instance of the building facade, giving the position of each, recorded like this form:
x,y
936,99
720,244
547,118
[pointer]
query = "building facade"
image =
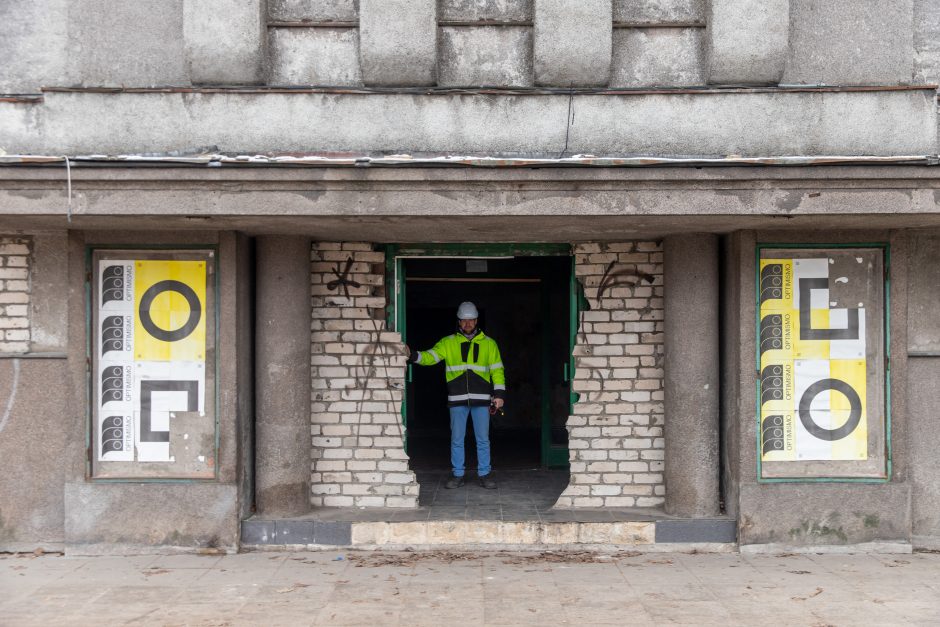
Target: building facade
x,y
706,230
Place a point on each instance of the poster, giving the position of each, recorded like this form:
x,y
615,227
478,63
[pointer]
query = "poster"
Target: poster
x,y
820,393
151,361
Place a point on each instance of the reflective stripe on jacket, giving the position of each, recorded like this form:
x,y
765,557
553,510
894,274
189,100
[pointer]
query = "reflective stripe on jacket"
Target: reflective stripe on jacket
x,y
473,368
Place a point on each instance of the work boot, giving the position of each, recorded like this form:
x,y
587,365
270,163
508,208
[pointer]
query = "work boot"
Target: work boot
x,y
453,482
487,481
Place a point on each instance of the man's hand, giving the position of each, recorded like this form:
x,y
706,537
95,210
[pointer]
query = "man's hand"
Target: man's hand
x,y
498,403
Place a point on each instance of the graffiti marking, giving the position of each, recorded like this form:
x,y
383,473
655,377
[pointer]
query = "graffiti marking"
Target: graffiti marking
x,y
624,276
342,278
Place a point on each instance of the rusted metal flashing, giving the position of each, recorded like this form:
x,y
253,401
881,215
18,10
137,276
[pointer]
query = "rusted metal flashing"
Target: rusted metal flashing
x,y
475,24
694,24
477,161
313,24
22,98
499,91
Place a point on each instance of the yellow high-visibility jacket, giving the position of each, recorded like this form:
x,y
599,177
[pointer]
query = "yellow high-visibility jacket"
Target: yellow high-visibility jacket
x,y
473,368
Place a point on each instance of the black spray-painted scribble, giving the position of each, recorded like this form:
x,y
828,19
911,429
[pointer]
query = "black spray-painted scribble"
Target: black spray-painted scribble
x,y
615,275
342,278
629,276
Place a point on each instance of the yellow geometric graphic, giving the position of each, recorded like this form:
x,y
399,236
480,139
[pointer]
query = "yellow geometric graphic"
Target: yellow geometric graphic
x,y
790,365
170,311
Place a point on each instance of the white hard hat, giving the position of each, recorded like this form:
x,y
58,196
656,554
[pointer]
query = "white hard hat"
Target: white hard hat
x,y
467,311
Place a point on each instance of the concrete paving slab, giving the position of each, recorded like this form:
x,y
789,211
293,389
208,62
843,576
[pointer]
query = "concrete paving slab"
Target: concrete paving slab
x,y
491,588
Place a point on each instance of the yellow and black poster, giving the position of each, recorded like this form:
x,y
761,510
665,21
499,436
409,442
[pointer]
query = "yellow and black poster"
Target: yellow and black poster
x,y
819,347
151,361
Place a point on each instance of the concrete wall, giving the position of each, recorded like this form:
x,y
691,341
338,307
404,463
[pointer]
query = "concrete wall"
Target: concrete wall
x,y
847,42
923,393
750,123
111,43
615,434
34,389
778,515
47,499
455,43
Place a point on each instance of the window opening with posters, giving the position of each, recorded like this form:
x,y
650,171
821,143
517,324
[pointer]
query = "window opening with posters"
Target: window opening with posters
x,y
153,342
823,376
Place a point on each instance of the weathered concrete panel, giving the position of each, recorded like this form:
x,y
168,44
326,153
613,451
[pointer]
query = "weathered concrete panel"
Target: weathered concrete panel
x,y
572,42
824,514
282,375
35,399
129,517
923,333
491,56
659,11
398,42
846,42
864,123
34,34
48,319
225,40
657,56
926,41
691,375
319,10
747,41
134,44
471,10
314,56
923,394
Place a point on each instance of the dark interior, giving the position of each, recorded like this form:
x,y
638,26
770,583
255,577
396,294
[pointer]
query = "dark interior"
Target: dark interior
x,y
524,306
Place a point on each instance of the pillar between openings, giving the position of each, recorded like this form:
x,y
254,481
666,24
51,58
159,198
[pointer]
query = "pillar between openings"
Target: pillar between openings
x,y
282,375
691,375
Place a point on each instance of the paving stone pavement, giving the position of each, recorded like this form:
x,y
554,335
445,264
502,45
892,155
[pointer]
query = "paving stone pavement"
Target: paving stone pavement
x,y
444,587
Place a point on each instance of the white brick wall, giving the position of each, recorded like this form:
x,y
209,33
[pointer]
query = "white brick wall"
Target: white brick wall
x,y
358,377
616,431
14,294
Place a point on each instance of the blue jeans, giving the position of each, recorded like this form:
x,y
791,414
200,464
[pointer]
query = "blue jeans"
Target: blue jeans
x,y
458,432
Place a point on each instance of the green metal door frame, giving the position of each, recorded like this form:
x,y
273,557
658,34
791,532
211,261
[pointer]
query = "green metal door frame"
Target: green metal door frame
x,y
395,256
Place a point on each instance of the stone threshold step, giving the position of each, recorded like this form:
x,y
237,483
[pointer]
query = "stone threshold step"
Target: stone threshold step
x,y
307,532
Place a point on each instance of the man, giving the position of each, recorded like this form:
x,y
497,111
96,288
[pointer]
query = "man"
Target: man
x,y
475,380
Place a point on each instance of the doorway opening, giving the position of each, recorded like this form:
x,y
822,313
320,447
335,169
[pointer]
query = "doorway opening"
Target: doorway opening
x,y
525,302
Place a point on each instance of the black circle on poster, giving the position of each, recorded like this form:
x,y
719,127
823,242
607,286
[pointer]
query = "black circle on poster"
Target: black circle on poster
x,y
855,409
195,310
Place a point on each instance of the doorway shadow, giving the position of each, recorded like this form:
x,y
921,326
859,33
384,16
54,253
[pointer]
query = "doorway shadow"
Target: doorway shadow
x,y
520,495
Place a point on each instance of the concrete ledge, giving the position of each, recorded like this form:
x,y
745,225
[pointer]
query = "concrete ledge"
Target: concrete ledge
x,y
718,534
698,530
749,123
864,547
120,517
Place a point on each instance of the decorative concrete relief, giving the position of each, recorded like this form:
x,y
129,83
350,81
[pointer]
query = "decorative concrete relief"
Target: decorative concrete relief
x,y
821,339
15,256
616,428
